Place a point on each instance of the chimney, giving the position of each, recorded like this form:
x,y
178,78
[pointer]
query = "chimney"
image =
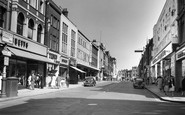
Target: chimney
x,y
65,12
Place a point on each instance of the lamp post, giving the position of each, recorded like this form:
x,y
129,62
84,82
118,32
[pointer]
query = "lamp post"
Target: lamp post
x,y
142,63
6,55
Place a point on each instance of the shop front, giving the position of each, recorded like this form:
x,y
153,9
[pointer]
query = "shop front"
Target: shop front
x,y
63,68
26,56
180,64
89,71
161,64
75,73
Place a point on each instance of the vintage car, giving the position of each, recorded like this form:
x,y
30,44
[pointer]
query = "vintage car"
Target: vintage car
x,y
138,83
89,81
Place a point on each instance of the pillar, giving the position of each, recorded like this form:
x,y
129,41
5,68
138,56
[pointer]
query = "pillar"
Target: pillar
x,y
13,26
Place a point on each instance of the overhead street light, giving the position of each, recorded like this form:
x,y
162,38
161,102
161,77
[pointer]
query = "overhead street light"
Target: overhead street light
x,y
138,51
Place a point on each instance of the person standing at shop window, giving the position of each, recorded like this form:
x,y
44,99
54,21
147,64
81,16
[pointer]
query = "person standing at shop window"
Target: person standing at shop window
x,y
183,86
67,80
31,80
166,84
172,85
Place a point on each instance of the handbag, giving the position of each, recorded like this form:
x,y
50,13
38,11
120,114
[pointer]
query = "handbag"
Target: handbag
x,y
172,88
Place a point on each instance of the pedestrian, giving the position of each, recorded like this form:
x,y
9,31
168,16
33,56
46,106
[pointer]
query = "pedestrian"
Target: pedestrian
x,y
37,81
31,80
172,85
183,86
53,81
160,83
58,81
166,85
67,80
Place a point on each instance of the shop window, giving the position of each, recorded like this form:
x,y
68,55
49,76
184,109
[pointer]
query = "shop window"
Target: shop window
x,y
39,33
20,23
30,29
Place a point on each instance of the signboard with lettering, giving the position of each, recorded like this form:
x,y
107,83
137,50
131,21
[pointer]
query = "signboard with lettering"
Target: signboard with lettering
x,y
7,37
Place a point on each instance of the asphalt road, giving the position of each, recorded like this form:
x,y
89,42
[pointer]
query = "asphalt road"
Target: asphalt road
x,y
107,98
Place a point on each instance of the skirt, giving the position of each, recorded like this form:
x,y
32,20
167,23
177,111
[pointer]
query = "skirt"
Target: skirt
x,y
166,88
172,88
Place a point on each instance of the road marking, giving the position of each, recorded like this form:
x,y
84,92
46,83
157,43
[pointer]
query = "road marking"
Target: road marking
x,y
92,104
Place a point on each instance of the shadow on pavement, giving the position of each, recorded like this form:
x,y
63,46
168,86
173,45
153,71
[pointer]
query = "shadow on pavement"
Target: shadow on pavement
x,y
81,106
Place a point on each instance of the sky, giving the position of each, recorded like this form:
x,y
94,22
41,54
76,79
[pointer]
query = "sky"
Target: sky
x,y
123,26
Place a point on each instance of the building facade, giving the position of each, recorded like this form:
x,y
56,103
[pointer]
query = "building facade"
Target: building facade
x,y
84,49
68,47
52,38
164,38
24,39
180,57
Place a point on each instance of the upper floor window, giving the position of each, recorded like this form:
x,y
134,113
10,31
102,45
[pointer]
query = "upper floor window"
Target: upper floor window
x,y
73,36
64,37
33,3
2,14
20,23
55,22
54,43
41,6
39,33
30,28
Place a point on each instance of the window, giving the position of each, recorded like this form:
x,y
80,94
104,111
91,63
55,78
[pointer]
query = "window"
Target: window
x,y
54,43
20,23
39,32
41,6
30,29
55,22
73,36
33,3
64,37
2,12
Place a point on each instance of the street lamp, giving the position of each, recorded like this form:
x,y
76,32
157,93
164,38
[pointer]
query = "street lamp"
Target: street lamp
x,y
6,55
140,51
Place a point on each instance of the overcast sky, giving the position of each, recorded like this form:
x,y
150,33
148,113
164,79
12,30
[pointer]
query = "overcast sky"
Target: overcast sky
x,y
122,25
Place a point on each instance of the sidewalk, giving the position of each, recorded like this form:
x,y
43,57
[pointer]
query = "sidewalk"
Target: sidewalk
x,y
29,93
176,98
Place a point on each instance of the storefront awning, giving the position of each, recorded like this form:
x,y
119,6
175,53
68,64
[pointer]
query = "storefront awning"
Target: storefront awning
x,y
29,55
77,69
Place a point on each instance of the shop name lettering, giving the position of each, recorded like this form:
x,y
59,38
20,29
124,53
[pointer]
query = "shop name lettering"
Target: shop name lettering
x,y
159,57
181,54
63,60
20,43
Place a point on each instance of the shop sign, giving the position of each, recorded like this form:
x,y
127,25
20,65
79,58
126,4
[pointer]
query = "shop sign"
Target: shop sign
x,y
163,54
5,52
6,60
159,57
64,61
72,62
7,37
180,55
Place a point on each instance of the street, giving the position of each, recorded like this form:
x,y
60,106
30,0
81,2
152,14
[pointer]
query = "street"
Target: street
x,y
106,98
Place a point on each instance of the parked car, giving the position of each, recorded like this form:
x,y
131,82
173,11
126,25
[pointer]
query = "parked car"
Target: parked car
x,y
89,81
138,83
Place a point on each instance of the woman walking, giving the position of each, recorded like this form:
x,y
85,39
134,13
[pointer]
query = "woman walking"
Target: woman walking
x,y
183,86
172,85
166,85
160,83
